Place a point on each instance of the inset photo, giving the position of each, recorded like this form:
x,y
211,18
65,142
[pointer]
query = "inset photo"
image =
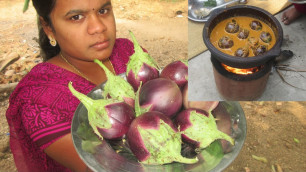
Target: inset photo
x,y
246,51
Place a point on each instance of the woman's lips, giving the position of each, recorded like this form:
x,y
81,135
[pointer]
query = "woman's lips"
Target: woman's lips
x,y
101,45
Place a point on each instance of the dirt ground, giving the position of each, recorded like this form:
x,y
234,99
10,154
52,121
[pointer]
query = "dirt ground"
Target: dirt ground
x,y
276,130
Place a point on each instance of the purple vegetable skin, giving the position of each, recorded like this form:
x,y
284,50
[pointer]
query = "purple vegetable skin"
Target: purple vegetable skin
x,y
153,139
199,128
162,95
176,71
121,116
110,160
109,118
145,74
141,66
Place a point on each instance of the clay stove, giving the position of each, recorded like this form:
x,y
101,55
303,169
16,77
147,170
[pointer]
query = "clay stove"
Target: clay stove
x,y
240,84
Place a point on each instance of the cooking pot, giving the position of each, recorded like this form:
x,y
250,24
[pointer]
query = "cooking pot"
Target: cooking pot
x,y
219,15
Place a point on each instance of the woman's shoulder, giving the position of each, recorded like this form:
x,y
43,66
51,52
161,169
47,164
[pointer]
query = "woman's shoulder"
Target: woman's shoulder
x,y
122,43
47,73
123,47
44,73
46,80
122,51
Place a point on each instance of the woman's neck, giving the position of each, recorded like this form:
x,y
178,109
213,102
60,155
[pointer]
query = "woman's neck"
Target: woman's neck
x,y
88,70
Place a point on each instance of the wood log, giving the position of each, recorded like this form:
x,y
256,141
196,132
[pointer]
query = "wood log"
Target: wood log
x,y
7,87
8,60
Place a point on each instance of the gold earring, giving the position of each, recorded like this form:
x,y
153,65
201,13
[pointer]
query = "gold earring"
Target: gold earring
x,y
52,41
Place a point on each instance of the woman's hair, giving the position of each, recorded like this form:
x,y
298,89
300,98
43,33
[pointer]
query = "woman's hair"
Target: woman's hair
x,y
43,9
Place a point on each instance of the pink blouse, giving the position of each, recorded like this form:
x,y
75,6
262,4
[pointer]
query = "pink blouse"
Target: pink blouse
x,y
41,109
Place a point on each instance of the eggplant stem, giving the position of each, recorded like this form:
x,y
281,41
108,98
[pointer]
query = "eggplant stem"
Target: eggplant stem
x,y
137,47
138,50
106,70
87,101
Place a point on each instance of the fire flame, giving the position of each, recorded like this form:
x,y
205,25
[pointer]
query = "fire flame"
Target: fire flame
x,y
240,71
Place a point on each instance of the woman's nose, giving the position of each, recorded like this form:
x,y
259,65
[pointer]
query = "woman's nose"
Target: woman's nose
x,y
96,25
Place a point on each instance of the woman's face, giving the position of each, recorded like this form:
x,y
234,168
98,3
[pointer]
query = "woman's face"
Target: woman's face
x,y
84,29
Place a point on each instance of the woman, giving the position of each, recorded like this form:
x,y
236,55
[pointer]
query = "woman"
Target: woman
x,y
72,34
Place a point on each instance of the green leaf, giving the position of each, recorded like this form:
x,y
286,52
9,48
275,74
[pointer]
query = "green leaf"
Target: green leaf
x,y
26,5
210,3
212,155
89,139
259,158
296,140
89,146
85,132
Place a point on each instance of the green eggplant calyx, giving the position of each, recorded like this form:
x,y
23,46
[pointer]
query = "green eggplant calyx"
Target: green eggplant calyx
x,y
164,145
185,62
97,114
139,58
204,130
116,86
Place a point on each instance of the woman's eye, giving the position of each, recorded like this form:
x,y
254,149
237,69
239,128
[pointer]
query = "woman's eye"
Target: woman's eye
x,y
77,17
103,11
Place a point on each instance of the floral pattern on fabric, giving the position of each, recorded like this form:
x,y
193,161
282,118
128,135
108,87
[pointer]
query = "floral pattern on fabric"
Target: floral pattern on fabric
x,y
41,109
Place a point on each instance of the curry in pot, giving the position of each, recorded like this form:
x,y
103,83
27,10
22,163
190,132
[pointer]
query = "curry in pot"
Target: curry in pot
x,y
242,36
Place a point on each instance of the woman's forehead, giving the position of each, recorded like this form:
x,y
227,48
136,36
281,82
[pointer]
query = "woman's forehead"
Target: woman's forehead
x,y
67,5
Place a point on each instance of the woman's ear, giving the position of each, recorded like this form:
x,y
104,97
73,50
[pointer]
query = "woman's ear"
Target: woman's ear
x,y
47,28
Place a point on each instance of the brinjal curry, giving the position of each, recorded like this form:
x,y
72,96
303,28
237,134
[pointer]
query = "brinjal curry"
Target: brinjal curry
x,y
242,36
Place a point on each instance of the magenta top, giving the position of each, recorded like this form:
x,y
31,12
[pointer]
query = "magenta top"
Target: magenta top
x,y
41,109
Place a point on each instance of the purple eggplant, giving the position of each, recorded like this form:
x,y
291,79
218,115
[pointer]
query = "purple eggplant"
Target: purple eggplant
x,y
153,139
176,71
109,118
141,66
161,95
199,128
116,87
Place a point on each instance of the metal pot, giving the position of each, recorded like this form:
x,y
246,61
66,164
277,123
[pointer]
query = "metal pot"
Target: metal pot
x,y
219,15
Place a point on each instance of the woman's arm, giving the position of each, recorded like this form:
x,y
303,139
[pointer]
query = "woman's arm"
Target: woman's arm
x,y
64,153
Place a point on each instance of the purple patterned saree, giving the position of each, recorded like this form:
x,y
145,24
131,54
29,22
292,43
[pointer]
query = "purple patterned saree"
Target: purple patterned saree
x,y
41,109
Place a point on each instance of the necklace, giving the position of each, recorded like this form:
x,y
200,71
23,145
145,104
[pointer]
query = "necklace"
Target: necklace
x,y
77,70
